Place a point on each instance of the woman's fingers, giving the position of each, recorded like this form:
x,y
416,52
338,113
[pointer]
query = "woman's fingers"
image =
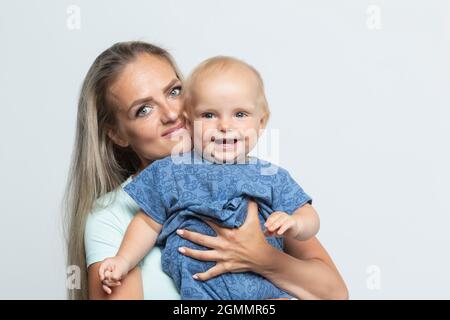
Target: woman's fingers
x,y
252,205
213,225
211,273
252,210
198,238
204,255
252,219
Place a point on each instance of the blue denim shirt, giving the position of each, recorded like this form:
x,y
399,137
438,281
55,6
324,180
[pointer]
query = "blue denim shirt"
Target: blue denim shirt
x,y
180,191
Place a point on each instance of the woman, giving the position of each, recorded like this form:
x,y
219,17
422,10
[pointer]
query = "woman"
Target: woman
x,y
129,115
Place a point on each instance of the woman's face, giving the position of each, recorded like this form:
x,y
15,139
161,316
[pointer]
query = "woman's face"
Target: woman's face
x,y
148,100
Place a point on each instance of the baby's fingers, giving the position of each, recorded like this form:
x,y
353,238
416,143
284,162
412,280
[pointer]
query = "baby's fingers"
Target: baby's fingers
x,y
111,283
271,221
274,216
107,275
104,267
268,233
107,289
276,224
116,275
108,284
285,226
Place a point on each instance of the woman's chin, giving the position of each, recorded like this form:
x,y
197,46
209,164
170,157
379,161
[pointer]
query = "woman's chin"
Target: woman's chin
x,y
179,143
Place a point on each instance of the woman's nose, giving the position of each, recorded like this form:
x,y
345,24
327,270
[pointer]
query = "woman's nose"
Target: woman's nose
x,y
169,113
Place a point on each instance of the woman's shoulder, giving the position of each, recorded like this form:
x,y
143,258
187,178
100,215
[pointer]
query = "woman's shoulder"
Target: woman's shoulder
x,y
105,227
107,223
114,207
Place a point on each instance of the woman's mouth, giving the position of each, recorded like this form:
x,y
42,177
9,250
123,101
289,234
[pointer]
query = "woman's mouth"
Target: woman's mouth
x,y
175,130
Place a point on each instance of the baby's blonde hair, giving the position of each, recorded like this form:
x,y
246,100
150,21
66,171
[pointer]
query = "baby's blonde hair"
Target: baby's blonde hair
x,y
221,64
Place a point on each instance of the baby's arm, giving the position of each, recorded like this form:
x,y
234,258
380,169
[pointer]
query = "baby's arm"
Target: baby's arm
x,y
303,224
139,238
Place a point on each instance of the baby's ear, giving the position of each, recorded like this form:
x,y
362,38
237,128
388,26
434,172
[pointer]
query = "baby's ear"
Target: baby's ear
x,y
264,120
188,121
262,124
185,115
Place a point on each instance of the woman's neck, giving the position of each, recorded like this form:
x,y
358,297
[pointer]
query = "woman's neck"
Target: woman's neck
x,y
143,166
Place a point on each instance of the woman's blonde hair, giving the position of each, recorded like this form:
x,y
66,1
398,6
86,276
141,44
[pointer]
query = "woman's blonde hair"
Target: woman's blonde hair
x,y
98,165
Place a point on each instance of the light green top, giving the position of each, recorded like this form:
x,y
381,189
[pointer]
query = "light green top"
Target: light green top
x,y
105,228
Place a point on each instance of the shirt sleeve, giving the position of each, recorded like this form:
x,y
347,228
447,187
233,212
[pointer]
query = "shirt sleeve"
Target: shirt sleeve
x,y
103,235
146,191
288,195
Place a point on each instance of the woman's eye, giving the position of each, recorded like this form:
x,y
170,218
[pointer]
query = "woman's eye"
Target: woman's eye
x,y
208,115
176,91
144,110
240,114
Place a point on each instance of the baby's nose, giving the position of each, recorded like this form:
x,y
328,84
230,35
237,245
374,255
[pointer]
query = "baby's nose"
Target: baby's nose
x,y
225,127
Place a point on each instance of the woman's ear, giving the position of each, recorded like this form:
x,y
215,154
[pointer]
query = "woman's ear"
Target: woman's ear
x,y
116,137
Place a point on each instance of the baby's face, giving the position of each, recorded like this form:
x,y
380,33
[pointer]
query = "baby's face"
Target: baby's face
x,y
226,118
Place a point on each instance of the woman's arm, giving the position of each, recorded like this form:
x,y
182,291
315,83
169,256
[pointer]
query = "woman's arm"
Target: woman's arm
x,y
305,270
130,289
103,235
139,239
308,274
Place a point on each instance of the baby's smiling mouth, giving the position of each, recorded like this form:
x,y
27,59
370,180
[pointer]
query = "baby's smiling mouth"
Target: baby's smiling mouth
x,y
228,141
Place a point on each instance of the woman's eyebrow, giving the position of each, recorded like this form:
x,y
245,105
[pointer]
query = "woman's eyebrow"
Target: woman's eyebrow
x,y
150,98
167,88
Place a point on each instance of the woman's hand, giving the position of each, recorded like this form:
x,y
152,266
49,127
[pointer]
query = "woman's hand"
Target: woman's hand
x,y
305,270
234,250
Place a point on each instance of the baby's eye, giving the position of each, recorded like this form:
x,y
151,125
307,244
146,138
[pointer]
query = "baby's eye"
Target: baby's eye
x,y
207,115
144,110
240,114
176,91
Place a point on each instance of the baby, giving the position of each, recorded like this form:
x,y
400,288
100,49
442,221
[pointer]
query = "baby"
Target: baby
x,y
227,111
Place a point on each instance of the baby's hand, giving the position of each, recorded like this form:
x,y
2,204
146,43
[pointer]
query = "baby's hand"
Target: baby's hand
x,y
281,224
111,271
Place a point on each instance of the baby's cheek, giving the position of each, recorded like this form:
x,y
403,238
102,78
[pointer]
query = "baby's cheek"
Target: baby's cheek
x,y
250,142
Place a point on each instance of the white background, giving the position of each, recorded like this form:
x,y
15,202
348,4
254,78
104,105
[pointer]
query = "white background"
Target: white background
x,y
363,114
